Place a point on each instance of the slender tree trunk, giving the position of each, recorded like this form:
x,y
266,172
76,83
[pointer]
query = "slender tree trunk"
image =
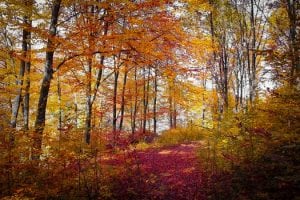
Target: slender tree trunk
x,y
242,58
27,97
237,73
100,71
237,95
204,101
27,72
224,66
174,109
76,111
242,83
252,75
24,65
249,74
133,124
18,98
226,103
60,109
116,73
174,115
88,118
145,98
98,80
291,6
155,101
48,73
91,97
170,111
218,78
123,100
212,32
143,118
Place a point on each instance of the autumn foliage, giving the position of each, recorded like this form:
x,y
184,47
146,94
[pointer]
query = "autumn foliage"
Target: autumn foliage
x,y
152,99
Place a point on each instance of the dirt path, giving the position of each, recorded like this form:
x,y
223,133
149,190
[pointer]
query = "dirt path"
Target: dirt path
x,y
160,173
175,169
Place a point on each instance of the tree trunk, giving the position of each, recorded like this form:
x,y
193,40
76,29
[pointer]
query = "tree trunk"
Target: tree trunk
x,y
291,6
252,75
123,99
116,73
48,73
224,70
60,109
88,118
170,109
133,121
91,97
174,115
155,102
76,111
145,98
204,102
27,71
18,98
100,71
242,83
24,68
226,103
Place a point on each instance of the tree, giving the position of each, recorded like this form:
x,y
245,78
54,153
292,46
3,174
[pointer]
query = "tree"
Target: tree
x,y
45,86
283,46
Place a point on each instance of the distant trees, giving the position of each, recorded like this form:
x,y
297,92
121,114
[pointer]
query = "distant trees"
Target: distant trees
x,y
238,34
284,40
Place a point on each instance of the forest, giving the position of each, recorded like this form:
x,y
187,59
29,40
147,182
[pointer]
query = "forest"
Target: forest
x,y
150,99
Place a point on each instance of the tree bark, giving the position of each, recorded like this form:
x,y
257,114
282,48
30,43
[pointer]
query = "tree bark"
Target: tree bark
x,y
225,84
171,125
133,121
24,69
252,75
123,99
91,98
76,111
145,98
204,102
60,108
27,70
88,118
291,6
174,115
115,92
155,101
48,74
17,100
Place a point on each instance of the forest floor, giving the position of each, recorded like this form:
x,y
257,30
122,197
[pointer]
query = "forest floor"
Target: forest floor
x,y
171,172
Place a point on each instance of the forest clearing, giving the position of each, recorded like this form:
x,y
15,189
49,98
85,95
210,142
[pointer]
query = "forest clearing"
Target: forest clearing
x,y
150,99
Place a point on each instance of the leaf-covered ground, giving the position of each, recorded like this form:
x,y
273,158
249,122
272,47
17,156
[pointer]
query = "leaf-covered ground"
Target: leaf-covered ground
x,y
159,173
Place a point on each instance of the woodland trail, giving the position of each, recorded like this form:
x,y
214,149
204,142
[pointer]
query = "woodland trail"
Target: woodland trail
x,y
176,168
165,173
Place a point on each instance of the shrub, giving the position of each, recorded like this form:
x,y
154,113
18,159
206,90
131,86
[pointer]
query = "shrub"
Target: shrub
x,y
180,135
